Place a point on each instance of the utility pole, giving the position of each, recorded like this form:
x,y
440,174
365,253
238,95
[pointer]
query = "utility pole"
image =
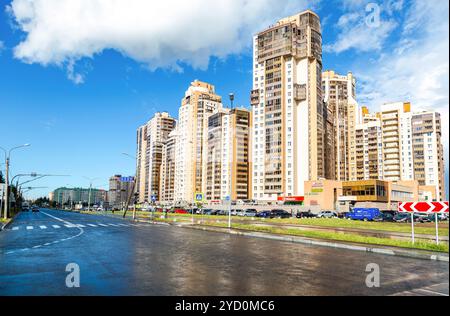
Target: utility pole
x,y
7,160
91,180
230,179
89,197
5,214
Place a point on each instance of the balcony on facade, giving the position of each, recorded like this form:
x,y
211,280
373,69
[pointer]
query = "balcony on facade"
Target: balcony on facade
x,y
254,97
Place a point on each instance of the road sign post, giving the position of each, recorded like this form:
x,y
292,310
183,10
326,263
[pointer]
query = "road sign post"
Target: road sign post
x,y
437,228
424,207
228,198
198,198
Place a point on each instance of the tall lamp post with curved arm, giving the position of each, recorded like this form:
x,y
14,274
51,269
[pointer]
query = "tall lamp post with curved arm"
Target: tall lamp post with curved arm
x,y
7,160
91,180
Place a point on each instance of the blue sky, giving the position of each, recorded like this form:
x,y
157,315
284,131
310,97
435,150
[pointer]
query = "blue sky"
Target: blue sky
x,y
78,77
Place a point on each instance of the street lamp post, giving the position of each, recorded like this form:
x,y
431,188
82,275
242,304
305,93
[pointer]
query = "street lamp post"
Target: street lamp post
x,y
231,175
7,160
133,192
90,190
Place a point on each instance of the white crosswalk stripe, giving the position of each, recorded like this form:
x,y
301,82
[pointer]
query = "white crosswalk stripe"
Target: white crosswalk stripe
x,y
96,225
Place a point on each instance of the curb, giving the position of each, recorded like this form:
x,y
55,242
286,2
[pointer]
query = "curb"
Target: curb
x,y
9,223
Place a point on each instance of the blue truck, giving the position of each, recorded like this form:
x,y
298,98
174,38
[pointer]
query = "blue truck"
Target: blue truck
x,y
363,214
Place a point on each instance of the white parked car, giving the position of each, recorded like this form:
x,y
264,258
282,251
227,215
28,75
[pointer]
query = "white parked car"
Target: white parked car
x,y
327,214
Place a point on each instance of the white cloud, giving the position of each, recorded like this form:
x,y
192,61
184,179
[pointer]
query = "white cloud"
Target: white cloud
x,y
358,31
2,46
165,34
358,36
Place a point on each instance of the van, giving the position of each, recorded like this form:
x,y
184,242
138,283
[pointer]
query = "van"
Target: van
x,y
364,214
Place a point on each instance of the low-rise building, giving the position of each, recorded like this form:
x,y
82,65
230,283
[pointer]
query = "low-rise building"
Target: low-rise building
x,y
72,196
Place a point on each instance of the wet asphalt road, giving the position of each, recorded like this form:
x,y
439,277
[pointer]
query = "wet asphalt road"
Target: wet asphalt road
x,y
116,258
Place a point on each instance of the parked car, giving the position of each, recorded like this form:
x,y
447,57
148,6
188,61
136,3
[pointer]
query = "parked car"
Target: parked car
x,y
384,217
249,213
234,212
405,218
426,218
264,214
327,214
206,211
281,214
222,212
240,212
363,214
180,211
307,214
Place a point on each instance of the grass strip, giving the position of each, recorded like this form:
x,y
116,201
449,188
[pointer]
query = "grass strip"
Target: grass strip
x,y
422,245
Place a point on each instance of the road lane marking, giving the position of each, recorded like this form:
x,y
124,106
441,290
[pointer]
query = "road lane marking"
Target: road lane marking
x,y
92,225
66,223
103,225
80,226
124,225
15,228
56,226
114,225
43,227
431,292
70,226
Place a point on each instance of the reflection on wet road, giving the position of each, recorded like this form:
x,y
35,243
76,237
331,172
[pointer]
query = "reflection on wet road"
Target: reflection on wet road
x,y
121,258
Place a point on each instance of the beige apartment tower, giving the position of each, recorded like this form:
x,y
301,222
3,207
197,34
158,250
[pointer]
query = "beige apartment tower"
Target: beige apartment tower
x,y
341,119
199,103
228,156
369,149
150,140
399,145
167,178
288,134
396,131
428,152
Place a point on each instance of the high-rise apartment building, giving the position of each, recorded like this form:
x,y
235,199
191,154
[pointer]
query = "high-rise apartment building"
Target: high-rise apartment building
x,y
341,119
394,123
288,132
399,145
167,178
428,152
199,103
369,149
120,190
228,155
150,140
